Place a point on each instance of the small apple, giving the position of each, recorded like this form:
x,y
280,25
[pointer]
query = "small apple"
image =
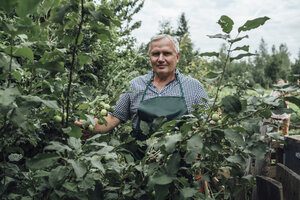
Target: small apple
x,y
106,106
103,112
106,158
215,117
102,104
219,122
57,118
91,128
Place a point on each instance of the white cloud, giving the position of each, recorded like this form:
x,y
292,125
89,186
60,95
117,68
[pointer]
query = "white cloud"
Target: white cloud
x,y
202,15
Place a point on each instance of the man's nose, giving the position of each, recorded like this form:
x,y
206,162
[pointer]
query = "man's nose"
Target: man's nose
x,y
161,57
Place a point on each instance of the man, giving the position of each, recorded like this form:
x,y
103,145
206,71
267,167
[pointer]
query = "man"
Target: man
x,y
162,92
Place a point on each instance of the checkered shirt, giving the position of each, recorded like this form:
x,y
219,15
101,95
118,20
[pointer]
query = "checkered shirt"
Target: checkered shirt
x,y
127,106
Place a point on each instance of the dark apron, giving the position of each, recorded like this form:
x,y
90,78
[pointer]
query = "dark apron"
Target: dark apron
x,y
171,107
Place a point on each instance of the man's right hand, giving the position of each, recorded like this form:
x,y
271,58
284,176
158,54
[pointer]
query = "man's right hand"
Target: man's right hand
x,y
85,133
112,122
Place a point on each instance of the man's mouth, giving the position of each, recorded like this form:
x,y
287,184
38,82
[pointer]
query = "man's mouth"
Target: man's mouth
x,y
161,66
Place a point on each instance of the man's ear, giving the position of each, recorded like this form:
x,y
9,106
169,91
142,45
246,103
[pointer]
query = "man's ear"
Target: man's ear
x,y
178,56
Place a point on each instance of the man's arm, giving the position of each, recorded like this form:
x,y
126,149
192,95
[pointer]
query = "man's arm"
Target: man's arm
x,y
112,122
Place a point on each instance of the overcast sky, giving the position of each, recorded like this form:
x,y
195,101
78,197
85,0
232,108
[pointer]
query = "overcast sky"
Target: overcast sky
x,y
202,15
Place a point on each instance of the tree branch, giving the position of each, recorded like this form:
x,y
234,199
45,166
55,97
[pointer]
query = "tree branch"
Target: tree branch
x,y
73,63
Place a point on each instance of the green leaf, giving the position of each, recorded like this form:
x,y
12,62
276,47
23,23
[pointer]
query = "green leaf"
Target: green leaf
x,y
232,105
36,99
57,175
234,136
91,119
271,100
226,23
54,66
87,183
243,48
161,191
8,96
84,106
158,123
210,54
194,146
70,186
238,39
98,15
96,162
26,7
266,113
24,52
79,167
84,59
45,7
237,159
293,100
259,150
74,143
106,12
103,37
57,146
275,135
15,157
221,36
75,132
41,161
213,75
59,14
289,89
173,164
17,75
19,118
161,179
195,142
241,56
252,24
188,192
280,110
170,142
116,22
144,127
8,5
41,173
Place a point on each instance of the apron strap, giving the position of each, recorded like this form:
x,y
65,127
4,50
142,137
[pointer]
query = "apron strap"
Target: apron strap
x,y
178,79
148,84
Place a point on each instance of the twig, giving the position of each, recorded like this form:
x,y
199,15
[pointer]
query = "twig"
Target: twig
x,y
10,61
220,81
73,62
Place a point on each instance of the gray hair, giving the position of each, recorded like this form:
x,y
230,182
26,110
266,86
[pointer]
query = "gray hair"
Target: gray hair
x,y
161,36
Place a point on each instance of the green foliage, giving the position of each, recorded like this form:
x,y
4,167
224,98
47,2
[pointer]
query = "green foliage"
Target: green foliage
x,y
64,60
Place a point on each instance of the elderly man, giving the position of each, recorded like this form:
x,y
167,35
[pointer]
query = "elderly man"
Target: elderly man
x,y
162,92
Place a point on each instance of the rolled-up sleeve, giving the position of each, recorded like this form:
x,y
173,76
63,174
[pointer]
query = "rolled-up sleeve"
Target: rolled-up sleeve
x,y
122,108
201,96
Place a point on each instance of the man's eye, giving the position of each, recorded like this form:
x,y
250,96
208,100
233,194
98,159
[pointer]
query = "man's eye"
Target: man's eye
x,y
167,53
155,54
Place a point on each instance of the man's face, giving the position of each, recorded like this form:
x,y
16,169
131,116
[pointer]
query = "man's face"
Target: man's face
x,y
163,57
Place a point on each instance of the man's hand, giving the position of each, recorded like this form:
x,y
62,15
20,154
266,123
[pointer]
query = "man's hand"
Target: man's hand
x,y
112,122
86,133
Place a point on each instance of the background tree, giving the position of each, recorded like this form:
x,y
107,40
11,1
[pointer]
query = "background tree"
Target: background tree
x,y
295,69
278,65
259,64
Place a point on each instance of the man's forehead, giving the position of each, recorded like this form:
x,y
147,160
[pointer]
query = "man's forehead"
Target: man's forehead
x,y
162,44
